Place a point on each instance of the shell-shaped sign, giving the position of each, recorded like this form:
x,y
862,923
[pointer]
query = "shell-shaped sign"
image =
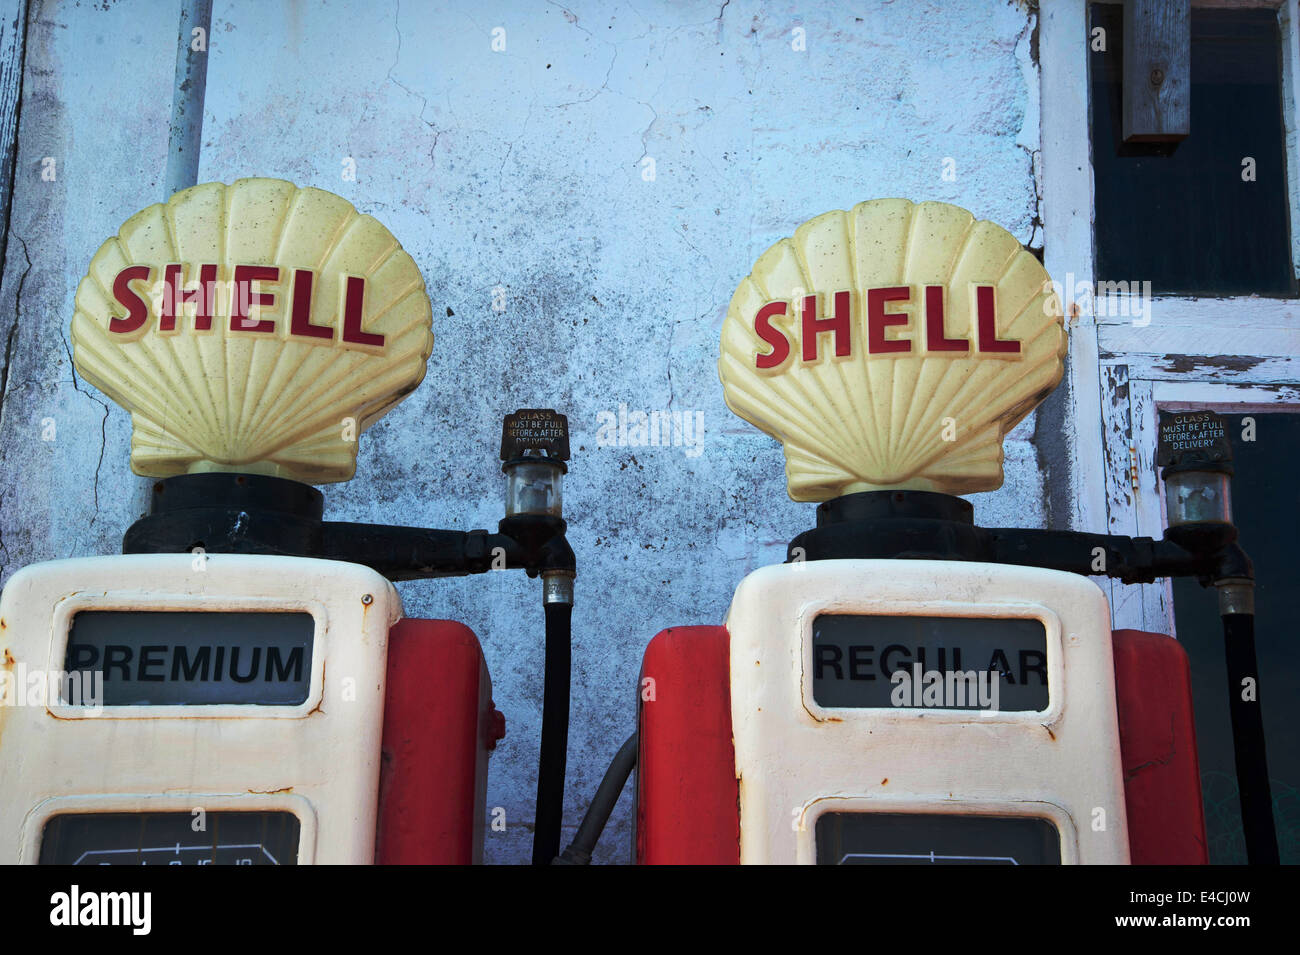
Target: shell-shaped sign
x,y
254,327
892,346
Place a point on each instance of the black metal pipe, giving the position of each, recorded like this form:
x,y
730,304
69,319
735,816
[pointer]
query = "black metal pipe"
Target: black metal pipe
x,y
922,525
1132,560
1248,739
556,556
555,733
602,805
226,513
417,553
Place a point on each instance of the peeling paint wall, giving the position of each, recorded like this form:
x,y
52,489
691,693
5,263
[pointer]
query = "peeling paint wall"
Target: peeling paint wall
x,y
525,170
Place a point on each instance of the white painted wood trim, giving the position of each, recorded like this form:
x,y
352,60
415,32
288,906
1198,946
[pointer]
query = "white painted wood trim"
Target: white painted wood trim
x,y
1257,341
1128,410
1225,397
1155,600
1202,314
1067,223
1221,4
1277,373
1288,17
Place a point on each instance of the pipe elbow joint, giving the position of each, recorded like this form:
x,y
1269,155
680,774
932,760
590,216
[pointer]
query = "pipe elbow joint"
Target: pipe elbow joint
x,y
1232,562
557,557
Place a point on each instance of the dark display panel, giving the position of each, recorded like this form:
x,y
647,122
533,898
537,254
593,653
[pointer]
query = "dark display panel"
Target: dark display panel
x,y
872,838
171,838
177,658
981,662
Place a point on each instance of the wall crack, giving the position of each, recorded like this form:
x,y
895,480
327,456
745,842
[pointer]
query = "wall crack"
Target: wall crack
x,y
10,339
103,426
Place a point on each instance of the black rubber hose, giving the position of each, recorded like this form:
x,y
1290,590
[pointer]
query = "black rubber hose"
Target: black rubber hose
x,y
602,805
1248,740
555,734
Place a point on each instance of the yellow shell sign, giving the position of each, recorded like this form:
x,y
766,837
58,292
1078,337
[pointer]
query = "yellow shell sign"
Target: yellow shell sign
x,y
255,327
892,346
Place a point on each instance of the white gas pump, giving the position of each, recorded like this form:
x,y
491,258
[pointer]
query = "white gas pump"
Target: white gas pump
x,y
170,709
240,685
878,721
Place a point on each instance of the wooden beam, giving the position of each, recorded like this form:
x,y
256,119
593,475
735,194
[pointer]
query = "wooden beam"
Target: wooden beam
x,y
13,32
13,37
1157,70
186,135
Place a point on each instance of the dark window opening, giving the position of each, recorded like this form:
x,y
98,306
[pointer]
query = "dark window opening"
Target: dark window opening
x,y
1266,508
1181,216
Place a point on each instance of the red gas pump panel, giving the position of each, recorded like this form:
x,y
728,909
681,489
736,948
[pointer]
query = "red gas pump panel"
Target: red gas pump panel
x,y
439,725
1162,780
687,807
688,795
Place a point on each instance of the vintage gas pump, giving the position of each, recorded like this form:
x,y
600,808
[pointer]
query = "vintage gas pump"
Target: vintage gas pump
x,y
240,686
910,687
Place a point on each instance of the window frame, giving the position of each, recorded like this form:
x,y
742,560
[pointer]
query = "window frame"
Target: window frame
x,y
1234,354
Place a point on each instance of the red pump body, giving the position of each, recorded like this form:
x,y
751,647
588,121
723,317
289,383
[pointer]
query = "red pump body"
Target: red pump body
x,y
439,726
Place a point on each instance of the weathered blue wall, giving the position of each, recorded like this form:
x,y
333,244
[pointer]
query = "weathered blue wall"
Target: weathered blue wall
x,y
523,170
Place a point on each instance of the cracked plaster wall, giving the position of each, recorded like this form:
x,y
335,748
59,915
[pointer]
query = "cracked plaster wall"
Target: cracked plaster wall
x,y
520,169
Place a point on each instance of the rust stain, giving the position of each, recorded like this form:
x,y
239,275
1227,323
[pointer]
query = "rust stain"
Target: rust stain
x,y
324,688
270,792
1186,363
885,781
8,665
1049,732
367,601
